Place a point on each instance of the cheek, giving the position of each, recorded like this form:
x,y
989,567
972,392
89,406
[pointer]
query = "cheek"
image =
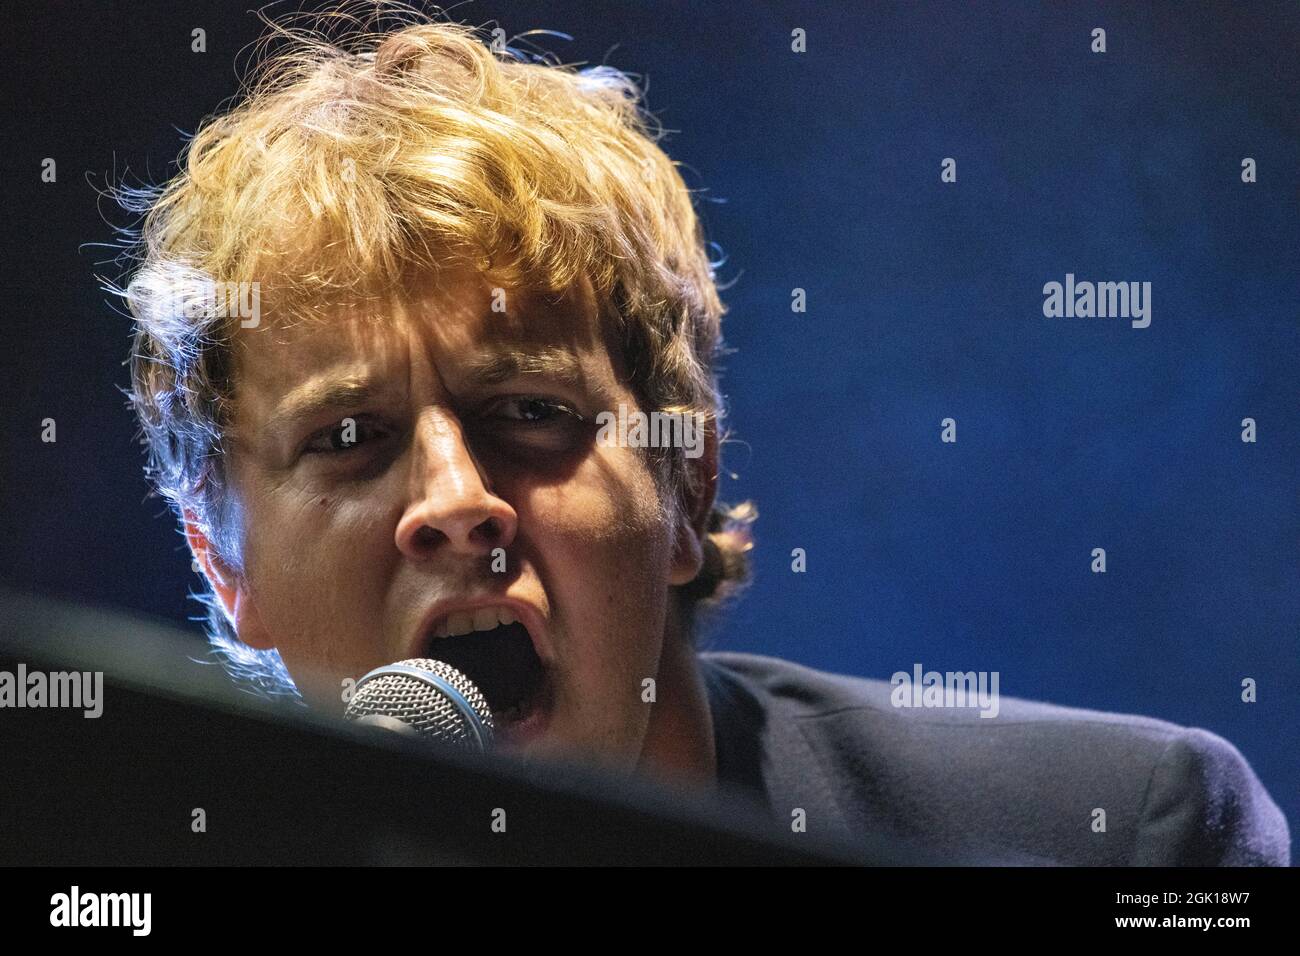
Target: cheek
x,y
603,551
317,565
607,522
293,535
609,581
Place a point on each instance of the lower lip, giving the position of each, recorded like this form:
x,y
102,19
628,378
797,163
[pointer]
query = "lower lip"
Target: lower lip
x,y
533,723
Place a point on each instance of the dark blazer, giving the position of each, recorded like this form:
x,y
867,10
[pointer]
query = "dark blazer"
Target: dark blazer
x,y
1022,787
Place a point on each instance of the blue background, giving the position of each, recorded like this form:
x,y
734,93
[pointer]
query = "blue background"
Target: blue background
x,y
821,171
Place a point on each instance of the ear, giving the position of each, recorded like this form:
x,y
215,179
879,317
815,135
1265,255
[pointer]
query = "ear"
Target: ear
x,y
229,587
688,553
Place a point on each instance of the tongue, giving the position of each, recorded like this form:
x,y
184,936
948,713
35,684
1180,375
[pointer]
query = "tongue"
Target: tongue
x,y
501,662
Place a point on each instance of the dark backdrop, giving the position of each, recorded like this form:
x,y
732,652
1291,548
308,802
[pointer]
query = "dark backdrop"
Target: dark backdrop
x,y
821,171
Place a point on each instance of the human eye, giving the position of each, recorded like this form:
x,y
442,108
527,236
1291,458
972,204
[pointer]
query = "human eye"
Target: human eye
x,y
535,411
345,436
519,424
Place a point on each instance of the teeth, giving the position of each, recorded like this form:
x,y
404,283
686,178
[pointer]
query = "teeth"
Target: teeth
x,y
465,622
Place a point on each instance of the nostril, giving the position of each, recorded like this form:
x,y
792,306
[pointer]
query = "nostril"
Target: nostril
x,y
426,538
490,530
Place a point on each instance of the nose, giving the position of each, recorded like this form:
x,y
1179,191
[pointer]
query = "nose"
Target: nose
x,y
452,507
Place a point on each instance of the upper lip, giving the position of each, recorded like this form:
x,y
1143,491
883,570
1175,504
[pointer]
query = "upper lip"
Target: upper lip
x,y
525,613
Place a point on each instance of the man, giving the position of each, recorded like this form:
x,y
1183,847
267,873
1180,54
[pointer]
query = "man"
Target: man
x,y
381,316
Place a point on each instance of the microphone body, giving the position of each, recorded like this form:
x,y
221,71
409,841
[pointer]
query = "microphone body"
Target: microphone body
x,y
426,698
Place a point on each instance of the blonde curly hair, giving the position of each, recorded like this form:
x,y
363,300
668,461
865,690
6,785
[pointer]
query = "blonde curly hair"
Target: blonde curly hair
x,y
360,154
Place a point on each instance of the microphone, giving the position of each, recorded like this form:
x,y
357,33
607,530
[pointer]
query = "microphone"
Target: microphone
x,y
424,698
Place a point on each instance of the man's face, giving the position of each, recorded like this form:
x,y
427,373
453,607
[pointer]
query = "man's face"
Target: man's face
x,y
356,536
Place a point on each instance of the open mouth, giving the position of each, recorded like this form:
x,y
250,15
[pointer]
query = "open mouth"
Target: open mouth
x,y
504,665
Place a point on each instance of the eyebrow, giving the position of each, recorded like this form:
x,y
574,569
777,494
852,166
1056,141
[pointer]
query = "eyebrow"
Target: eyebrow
x,y
551,362
308,402
493,369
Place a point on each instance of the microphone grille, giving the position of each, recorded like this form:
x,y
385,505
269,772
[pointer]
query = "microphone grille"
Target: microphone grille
x,y
433,698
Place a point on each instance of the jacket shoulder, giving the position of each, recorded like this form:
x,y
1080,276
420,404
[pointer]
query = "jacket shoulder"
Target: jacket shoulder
x,y
1033,782
1206,807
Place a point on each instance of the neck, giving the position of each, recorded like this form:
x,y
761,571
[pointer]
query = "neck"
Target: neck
x,y
679,740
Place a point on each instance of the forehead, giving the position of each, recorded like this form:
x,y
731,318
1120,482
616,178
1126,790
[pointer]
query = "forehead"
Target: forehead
x,y
457,321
